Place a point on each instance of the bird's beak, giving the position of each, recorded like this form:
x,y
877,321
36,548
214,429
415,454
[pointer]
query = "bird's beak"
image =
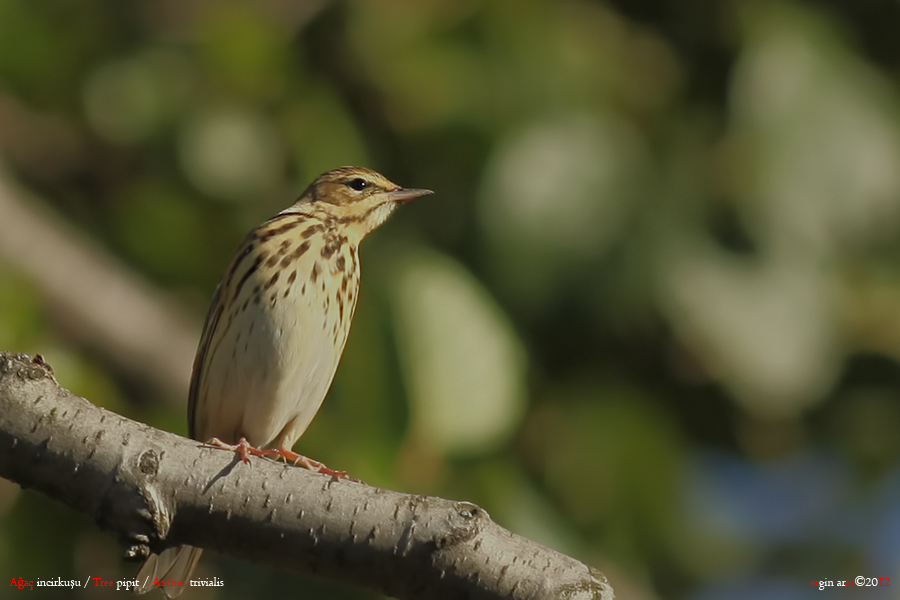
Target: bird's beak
x,y
405,195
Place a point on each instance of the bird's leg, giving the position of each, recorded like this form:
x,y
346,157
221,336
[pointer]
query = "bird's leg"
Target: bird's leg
x,y
306,462
243,448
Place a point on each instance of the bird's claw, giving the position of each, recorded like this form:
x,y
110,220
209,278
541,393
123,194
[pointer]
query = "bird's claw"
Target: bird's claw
x,y
245,450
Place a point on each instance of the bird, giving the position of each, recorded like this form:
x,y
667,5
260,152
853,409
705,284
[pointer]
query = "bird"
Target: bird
x,y
276,328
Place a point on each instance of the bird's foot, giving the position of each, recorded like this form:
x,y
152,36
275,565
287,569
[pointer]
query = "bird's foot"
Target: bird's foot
x,y
307,463
243,448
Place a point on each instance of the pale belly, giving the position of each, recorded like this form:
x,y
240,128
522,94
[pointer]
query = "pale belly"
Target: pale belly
x,y
270,371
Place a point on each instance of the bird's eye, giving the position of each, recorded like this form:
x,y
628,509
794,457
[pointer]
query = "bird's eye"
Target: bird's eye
x,y
358,184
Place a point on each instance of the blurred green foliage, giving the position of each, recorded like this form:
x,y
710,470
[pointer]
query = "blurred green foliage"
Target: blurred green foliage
x,y
649,318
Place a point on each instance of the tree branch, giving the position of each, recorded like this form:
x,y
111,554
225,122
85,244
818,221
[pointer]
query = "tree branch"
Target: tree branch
x,y
156,489
131,322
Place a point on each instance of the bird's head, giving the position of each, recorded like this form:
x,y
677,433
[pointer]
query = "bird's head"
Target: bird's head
x,y
356,198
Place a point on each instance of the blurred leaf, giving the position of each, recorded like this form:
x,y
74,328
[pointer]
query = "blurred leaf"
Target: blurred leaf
x,y
22,319
244,48
519,505
45,46
816,133
427,74
613,459
84,377
231,153
122,101
823,129
463,362
768,332
163,228
127,100
321,133
556,195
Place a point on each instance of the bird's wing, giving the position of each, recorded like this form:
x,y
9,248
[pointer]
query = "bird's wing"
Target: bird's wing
x,y
209,328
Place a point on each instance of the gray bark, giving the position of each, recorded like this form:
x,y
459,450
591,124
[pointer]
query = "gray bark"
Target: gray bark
x,y
155,489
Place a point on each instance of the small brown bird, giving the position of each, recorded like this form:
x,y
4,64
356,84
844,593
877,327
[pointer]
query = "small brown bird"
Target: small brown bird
x,y
276,329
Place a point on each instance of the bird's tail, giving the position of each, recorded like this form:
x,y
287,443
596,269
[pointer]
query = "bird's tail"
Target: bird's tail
x,y
174,566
